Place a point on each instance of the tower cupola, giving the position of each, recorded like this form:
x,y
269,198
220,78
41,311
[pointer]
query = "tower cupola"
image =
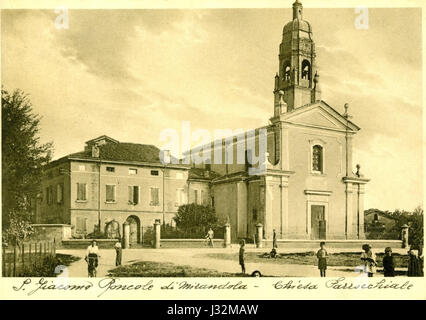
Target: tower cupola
x,y
296,62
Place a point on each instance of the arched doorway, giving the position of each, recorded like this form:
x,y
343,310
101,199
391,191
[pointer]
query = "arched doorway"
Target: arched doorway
x,y
135,227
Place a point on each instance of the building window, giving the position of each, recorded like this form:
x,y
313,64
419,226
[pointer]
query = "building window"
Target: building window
x,y
110,193
154,197
110,169
212,201
81,192
133,171
180,197
81,167
59,193
133,194
317,158
203,199
49,195
154,172
81,225
196,196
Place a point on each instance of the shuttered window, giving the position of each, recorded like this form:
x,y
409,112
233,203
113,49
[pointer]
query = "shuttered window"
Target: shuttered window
x,y
59,193
154,201
81,192
110,193
133,194
81,225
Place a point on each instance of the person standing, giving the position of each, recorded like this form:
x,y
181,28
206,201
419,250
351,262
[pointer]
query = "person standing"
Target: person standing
x,y
274,240
241,256
388,264
413,263
118,253
210,236
368,258
322,259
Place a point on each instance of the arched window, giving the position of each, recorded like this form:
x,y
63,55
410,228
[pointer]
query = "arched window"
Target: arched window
x,y
287,73
317,158
306,70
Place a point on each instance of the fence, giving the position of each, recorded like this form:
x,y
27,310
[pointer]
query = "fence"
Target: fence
x,y
169,232
19,260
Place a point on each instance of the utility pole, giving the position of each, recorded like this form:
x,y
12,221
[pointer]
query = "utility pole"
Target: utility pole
x,y
347,116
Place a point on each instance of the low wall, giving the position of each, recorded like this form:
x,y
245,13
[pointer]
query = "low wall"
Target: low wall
x,y
84,243
190,243
341,244
51,232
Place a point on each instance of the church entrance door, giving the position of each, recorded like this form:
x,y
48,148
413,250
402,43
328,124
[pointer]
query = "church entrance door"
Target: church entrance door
x,y
318,223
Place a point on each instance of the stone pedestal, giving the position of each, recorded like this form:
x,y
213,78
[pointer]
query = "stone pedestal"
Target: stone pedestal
x,y
126,235
157,234
227,235
404,236
259,235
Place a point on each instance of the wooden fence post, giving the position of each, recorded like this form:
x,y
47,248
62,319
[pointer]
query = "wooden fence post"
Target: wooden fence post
x,y
35,254
3,261
41,250
23,258
14,261
54,247
29,254
44,249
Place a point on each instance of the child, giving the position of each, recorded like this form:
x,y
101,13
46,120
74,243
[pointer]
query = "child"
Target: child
x,y
369,259
388,265
241,256
322,259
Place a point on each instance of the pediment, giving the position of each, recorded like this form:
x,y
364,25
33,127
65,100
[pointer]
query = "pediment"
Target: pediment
x,y
319,115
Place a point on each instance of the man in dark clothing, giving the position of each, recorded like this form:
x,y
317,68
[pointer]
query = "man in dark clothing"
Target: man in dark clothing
x,y
241,256
388,265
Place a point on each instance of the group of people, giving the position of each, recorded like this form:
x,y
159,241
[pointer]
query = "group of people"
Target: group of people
x,y
369,262
367,258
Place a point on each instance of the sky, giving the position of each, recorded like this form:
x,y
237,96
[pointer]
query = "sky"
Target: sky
x,y
129,74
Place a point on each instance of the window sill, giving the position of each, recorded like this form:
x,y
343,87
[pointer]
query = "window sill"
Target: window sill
x,y
318,174
81,201
110,202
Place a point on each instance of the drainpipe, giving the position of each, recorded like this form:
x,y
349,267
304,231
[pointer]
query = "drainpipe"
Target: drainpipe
x,y
99,197
346,115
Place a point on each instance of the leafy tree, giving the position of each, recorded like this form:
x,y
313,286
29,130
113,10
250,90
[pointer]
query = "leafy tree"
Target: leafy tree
x,y
196,219
23,157
400,217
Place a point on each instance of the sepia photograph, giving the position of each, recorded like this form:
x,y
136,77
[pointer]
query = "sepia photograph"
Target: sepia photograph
x,y
269,141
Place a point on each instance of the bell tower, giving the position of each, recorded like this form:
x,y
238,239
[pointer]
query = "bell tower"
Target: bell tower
x,y
297,80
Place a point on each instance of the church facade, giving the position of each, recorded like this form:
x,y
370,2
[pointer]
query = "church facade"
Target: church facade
x,y
308,189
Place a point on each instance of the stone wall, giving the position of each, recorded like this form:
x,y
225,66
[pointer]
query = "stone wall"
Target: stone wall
x,y
51,232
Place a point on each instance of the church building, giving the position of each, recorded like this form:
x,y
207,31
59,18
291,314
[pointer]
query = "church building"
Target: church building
x,y
308,189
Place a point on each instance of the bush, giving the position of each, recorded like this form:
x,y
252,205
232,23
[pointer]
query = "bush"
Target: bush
x,y
193,221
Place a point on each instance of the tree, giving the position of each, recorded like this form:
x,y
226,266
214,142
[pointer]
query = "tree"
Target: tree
x,y
23,158
195,219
